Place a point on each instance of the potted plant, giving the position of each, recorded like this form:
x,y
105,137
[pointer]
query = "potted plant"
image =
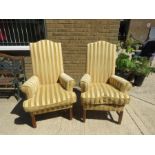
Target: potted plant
x,y
125,66
141,70
131,45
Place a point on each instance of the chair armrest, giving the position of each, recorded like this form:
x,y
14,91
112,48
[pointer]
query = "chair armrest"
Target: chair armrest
x,y
66,82
85,82
120,83
30,86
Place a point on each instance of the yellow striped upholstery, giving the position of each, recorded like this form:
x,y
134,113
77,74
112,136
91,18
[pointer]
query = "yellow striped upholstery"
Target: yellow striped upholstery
x,y
102,93
101,60
66,82
47,61
120,83
49,97
84,83
30,86
49,89
100,88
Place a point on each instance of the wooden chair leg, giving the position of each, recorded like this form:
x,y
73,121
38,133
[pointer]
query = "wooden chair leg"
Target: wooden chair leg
x,y
84,115
33,120
120,117
70,113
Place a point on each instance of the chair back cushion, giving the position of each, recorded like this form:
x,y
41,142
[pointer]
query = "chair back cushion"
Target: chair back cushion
x,y
101,60
47,60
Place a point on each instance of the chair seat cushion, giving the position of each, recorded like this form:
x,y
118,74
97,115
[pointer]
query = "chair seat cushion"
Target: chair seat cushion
x,y
49,97
102,93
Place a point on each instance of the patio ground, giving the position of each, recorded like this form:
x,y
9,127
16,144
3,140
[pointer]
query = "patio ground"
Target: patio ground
x,y
139,117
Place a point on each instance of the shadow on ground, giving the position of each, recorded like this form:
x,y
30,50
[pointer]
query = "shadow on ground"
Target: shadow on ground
x,y
24,118
100,115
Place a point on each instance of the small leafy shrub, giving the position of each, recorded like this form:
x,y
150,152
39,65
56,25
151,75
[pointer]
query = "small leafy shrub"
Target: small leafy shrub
x,y
142,66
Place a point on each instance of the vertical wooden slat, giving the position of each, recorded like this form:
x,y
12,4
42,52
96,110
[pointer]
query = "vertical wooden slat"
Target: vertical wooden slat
x,y
70,113
5,33
31,34
12,30
26,32
18,36
33,120
1,33
35,33
10,33
84,115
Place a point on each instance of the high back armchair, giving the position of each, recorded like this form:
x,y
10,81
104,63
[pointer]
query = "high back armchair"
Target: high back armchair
x,y
101,88
49,89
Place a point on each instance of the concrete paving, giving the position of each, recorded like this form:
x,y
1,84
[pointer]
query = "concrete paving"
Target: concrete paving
x,y
138,119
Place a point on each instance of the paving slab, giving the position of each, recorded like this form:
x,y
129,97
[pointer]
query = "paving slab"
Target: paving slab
x,y
138,119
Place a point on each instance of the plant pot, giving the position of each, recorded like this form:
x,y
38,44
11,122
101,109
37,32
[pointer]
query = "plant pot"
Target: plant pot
x,y
126,75
139,80
130,77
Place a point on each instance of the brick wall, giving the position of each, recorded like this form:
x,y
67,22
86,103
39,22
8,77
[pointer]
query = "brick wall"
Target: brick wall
x,y
28,66
74,36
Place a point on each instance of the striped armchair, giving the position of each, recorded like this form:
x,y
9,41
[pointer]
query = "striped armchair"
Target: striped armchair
x,y
101,89
49,89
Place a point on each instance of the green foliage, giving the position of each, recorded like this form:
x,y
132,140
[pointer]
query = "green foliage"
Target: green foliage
x,y
129,49
137,66
131,44
153,69
124,63
142,66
